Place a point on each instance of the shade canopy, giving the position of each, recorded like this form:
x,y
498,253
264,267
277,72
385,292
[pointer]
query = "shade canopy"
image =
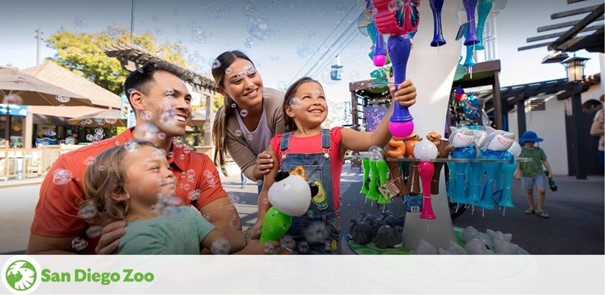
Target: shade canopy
x,y
32,91
104,118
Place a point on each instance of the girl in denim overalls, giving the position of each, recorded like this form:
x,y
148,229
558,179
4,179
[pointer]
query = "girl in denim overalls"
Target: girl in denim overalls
x,y
317,155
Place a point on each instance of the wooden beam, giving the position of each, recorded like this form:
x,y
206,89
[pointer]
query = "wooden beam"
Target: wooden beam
x,y
533,46
598,12
557,26
573,12
555,35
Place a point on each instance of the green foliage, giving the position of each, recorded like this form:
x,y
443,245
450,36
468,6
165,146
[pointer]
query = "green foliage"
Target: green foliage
x,y
83,53
217,102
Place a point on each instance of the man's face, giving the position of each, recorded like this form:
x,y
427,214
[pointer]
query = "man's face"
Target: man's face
x,y
167,104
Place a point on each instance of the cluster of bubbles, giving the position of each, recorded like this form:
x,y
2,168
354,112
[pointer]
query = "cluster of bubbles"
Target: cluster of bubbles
x,y
248,42
186,180
194,195
81,22
220,246
234,198
132,146
79,244
282,85
145,133
69,140
259,28
295,103
215,64
146,115
88,211
210,178
61,176
376,153
167,205
99,133
63,98
198,34
168,107
89,161
316,232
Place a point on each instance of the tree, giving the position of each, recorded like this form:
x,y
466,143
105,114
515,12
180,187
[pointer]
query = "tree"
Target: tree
x,y
83,53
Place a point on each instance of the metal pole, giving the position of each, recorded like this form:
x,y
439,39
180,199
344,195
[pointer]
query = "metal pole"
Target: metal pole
x,y
132,22
38,39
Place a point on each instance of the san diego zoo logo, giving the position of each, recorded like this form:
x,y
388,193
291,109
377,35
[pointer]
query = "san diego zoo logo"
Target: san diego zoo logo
x,y
20,274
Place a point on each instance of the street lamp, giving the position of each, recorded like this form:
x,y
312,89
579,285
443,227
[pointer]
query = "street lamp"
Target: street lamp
x,y
574,66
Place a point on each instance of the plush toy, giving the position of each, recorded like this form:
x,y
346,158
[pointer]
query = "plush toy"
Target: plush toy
x,y
289,196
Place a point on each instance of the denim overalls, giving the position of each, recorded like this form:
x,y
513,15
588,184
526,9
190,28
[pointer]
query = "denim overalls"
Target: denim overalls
x,y
316,232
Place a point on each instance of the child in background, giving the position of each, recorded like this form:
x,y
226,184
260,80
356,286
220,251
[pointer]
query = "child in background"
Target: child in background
x,y
317,155
133,182
532,173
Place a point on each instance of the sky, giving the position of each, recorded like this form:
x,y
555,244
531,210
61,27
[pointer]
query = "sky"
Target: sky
x,y
294,35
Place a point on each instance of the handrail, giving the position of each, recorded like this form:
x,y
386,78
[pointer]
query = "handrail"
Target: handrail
x,y
22,163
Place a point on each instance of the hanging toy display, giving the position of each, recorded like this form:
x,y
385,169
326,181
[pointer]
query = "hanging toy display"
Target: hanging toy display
x,y
436,6
483,9
398,22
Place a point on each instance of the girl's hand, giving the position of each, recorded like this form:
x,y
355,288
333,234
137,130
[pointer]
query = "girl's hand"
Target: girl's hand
x,y
264,164
405,94
258,224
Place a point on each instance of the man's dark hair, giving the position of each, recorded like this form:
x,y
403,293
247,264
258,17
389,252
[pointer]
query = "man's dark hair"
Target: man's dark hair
x,y
142,78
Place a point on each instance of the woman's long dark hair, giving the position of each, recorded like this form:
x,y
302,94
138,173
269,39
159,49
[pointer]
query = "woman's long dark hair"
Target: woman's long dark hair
x,y
219,68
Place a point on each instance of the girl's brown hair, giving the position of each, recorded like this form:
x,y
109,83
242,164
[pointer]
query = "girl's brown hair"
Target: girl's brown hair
x,y
289,122
219,69
104,178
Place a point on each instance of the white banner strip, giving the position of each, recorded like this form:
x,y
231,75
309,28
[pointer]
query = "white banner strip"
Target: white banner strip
x,y
304,274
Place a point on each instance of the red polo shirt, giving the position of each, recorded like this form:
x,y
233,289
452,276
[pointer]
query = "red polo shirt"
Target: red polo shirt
x,y
57,210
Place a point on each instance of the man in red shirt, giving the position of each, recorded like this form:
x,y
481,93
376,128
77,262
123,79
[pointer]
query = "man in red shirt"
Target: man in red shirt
x,y
62,224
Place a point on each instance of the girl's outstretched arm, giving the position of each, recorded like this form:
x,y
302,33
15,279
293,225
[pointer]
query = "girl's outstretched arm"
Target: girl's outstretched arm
x,y
361,141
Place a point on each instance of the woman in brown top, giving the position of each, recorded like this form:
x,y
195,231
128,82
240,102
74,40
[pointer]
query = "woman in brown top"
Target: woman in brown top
x,y
251,114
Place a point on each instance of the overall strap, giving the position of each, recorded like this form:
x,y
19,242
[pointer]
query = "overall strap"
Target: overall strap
x,y
285,141
325,138
283,145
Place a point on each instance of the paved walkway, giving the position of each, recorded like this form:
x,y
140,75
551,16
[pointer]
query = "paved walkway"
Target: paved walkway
x,y
575,226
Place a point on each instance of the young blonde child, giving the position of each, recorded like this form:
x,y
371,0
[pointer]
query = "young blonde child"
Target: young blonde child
x,y
317,155
133,182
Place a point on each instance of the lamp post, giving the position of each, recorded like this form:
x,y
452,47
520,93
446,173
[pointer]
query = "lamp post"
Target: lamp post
x,y
574,67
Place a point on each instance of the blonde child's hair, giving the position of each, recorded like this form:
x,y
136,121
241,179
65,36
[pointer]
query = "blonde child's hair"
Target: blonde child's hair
x,y
105,178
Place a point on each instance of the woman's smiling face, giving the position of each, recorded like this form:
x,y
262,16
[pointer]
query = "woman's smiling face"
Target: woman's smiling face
x,y
243,84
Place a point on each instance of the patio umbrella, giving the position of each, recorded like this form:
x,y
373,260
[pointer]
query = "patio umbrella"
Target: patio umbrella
x,y
33,91
104,118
